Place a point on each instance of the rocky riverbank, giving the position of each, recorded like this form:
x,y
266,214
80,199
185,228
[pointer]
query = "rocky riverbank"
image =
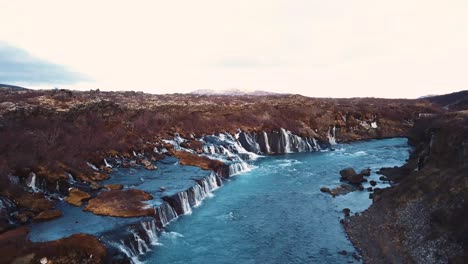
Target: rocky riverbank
x,y
64,144
423,217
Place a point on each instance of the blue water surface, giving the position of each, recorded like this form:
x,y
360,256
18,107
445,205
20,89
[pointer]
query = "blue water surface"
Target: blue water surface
x,y
276,212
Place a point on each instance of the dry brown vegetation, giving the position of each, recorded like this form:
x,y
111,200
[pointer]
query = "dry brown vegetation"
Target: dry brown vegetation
x,y
54,131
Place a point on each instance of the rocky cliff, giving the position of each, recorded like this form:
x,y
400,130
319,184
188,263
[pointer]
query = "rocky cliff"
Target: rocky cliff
x,y
423,218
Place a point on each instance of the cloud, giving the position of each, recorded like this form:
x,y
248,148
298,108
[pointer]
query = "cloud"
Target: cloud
x,y
18,66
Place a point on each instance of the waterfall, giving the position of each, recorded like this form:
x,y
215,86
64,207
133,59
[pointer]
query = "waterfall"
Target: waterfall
x,y
131,254
183,198
316,145
31,181
94,167
166,214
267,144
141,244
212,181
151,232
287,143
331,136
248,141
13,179
195,195
70,177
238,167
107,164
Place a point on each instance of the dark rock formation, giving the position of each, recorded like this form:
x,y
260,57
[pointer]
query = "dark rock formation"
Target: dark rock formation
x,y
343,189
366,172
346,212
350,175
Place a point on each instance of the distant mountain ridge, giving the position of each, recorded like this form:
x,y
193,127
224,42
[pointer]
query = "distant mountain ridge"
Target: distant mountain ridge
x,y
232,92
8,86
454,101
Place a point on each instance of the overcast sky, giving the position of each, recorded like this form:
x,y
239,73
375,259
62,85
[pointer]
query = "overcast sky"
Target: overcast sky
x,y
335,48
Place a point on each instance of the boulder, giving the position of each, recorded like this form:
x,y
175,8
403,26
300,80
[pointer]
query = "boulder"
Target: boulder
x,y
356,179
350,175
346,212
373,183
76,197
325,189
343,189
347,173
366,172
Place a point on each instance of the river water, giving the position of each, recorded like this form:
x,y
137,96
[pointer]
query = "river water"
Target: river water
x,y
276,213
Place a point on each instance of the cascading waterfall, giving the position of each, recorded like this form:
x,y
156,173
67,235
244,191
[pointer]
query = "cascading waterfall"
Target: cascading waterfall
x,y
195,195
183,198
141,244
331,136
212,181
267,144
316,145
31,182
286,139
238,167
130,253
70,177
234,151
94,167
14,180
107,164
166,214
151,232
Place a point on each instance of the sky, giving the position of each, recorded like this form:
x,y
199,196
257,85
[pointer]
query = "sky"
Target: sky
x,y
321,48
